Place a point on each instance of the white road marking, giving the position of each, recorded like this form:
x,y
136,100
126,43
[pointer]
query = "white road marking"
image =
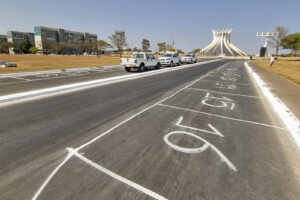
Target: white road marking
x,y
214,130
226,82
223,104
224,86
19,78
13,98
289,119
197,150
241,95
116,176
105,133
45,183
220,116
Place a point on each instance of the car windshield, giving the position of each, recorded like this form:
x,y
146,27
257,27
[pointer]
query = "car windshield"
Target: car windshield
x,y
168,55
187,56
138,56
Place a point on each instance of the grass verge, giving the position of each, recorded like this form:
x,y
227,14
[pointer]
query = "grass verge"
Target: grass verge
x,y
289,69
42,62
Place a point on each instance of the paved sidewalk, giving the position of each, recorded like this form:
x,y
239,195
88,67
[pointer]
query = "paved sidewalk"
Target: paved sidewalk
x,y
288,92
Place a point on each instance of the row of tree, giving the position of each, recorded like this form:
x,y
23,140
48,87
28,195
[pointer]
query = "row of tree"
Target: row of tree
x,y
285,40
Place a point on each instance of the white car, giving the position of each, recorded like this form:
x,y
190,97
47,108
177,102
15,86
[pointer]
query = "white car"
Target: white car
x,y
4,64
189,58
140,61
170,59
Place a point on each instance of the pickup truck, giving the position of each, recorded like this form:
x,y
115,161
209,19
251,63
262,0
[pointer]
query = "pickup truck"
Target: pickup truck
x,y
140,61
170,59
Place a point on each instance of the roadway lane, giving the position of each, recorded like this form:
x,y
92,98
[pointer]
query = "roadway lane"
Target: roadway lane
x,y
191,137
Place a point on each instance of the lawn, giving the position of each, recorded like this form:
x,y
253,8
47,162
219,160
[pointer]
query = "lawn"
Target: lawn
x,y
285,67
43,62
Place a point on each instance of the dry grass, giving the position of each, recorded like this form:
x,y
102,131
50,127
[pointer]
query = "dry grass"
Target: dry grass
x,y
288,68
41,62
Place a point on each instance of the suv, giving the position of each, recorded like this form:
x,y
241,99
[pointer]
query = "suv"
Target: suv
x,y
140,61
189,58
170,59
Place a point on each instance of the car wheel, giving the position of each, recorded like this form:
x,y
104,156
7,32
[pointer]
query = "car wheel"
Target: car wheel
x,y
157,66
179,63
171,64
141,68
127,69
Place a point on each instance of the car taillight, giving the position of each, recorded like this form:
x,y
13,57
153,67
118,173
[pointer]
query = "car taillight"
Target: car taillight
x,y
135,61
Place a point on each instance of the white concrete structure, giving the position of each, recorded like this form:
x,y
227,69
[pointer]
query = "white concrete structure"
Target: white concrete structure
x,y
221,45
267,35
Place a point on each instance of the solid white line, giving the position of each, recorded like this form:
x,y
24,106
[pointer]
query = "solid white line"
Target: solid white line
x,y
116,176
13,98
220,116
19,78
36,195
242,95
289,119
226,82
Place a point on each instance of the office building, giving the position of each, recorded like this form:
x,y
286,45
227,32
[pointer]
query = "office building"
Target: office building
x,y
3,38
16,37
45,36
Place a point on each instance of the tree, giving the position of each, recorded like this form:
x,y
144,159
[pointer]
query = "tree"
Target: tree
x,y
276,40
172,50
34,50
135,49
118,39
145,45
101,46
162,47
291,41
24,46
169,47
180,51
195,51
5,46
47,47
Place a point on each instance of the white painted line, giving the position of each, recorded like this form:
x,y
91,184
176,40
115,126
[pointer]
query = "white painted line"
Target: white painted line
x,y
37,194
227,82
289,119
214,130
13,98
116,176
220,116
105,133
241,95
24,79
197,150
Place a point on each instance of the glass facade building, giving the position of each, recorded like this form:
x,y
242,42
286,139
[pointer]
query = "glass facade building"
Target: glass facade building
x,y
3,38
17,37
45,36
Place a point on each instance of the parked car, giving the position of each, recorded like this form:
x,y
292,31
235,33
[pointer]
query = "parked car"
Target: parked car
x,y
170,59
140,61
189,58
4,64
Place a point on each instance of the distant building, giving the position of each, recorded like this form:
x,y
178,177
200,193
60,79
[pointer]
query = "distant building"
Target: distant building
x,y
45,36
16,37
3,38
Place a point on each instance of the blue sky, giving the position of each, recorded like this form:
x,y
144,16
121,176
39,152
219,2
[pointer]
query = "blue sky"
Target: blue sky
x,y
188,22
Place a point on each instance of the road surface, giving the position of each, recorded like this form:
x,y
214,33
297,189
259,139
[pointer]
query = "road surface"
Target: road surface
x,y
203,132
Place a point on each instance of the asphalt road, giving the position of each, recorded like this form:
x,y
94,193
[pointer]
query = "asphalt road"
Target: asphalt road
x,y
203,132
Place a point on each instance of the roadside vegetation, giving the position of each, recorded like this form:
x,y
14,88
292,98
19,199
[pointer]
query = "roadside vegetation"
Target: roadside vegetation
x,y
288,68
27,62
